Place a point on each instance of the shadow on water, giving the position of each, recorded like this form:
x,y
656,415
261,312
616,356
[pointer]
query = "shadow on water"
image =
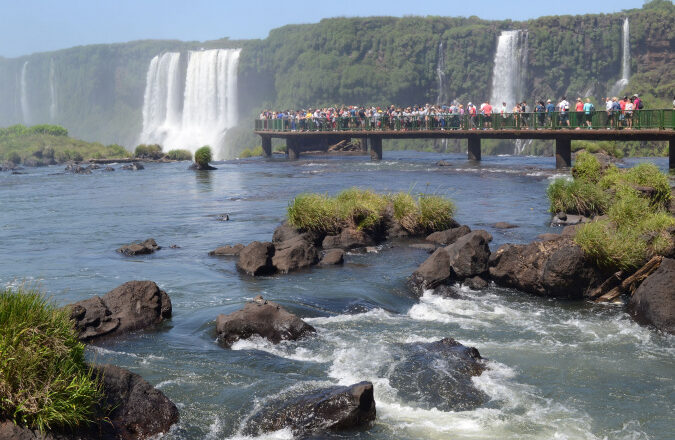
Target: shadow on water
x,y
204,180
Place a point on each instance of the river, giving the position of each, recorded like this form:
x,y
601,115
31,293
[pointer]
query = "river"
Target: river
x,y
557,369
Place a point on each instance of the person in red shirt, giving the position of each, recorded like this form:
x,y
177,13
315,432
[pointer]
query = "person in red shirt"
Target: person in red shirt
x,y
487,112
622,116
579,108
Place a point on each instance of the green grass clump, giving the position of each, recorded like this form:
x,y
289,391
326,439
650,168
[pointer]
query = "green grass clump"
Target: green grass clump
x,y
436,213
247,152
144,151
203,156
359,208
314,212
179,155
587,167
577,196
44,381
406,210
647,174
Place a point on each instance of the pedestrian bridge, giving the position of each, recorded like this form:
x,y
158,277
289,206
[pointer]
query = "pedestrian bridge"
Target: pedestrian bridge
x,y
312,134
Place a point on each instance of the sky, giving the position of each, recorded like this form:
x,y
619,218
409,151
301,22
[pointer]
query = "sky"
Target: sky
x,y
28,26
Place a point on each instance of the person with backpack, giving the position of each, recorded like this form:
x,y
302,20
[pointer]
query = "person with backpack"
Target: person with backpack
x,y
525,118
564,109
550,110
540,110
588,109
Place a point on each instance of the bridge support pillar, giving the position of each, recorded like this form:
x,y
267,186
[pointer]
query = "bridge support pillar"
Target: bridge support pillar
x,y
671,154
474,147
292,148
563,153
375,147
267,146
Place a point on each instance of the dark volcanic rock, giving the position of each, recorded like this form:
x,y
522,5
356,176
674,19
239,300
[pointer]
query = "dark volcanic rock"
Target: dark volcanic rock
x,y
294,253
107,169
556,268
466,257
328,409
504,225
256,259
76,169
430,248
448,236
263,318
654,301
227,251
332,257
132,306
438,375
135,166
348,239
146,247
475,283
196,166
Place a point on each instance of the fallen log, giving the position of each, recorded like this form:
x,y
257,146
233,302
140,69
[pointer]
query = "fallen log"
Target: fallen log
x,y
632,282
608,285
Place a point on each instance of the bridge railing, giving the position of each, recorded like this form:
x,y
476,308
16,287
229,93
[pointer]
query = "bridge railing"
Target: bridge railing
x,y
661,119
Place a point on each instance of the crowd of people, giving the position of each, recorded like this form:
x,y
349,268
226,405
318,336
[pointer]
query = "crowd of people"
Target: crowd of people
x,y
618,113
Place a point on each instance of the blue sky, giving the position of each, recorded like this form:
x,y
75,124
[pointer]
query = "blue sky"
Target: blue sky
x,y
28,26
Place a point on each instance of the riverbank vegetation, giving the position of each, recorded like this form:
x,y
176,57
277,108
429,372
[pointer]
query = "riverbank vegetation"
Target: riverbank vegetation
x,y
203,156
632,222
46,144
44,381
365,209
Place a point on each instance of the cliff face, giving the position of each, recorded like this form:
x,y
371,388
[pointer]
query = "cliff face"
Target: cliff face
x,y
97,91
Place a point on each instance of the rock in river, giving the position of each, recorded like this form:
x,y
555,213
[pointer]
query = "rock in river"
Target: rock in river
x,y
328,409
448,236
332,257
146,247
227,251
132,306
256,259
654,301
263,318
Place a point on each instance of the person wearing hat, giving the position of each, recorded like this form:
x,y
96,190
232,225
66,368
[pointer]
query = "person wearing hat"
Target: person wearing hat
x,y
550,110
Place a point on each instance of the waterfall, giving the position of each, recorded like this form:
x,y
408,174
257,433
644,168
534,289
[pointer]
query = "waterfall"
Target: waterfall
x,y
508,75
625,60
209,101
440,73
52,91
25,109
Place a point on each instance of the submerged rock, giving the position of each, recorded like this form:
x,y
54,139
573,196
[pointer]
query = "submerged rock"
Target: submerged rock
x,y
108,169
256,259
556,267
132,306
227,251
76,169
504,225
263,318
348,238
135,166
654,301
327,409
143,248
429,247
438,375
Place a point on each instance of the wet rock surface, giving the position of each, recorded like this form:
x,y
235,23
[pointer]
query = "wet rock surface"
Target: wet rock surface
x,y
332,257
136,166
143,248
256,259
132,306
328,409
294,253
348,239
504,225
653,303
448,236
227,250
438,375
263,318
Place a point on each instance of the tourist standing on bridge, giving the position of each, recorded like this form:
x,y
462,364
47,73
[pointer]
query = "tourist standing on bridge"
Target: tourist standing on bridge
x,y
564,109
589,108
550,110
524,110
579,109
540,110
629,113
487,111
609,107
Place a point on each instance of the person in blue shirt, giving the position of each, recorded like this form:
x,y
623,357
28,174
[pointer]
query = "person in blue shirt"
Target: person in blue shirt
x,y
550,109
589,108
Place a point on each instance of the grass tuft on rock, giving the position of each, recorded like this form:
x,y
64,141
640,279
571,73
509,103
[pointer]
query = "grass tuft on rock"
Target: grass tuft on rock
x,y
203,156
587,167
179,155
44,380
367,210
577,196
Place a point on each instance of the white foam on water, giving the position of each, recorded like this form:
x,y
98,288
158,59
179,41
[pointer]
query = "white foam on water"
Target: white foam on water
x,y
285,349
376,315
283,434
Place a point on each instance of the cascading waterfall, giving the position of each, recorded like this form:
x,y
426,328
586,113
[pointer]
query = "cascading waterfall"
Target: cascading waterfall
x,y
625,60
25,108
440,73
52,90
209,105
508,75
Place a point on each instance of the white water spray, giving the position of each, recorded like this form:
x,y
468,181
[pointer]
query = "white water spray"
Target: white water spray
x,y
52,91
625,60
440,73
25,109
508,76
209,105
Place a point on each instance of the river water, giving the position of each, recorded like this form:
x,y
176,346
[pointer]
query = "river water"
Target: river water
x,y
557,369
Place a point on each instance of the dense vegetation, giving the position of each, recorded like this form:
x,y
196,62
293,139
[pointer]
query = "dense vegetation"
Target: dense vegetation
x,y
44,381
203,156
365,209
49,144
179,155
635,224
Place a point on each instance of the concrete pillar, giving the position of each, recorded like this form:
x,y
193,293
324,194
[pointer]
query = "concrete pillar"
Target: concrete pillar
x,y
375,147
563,153
671,154
267,146
292,148
474,147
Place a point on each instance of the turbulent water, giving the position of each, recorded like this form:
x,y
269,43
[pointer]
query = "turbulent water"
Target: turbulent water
x,y
508,74
557,369
625,60
193,104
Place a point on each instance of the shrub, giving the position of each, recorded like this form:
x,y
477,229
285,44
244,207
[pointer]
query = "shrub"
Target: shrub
x,y
14,158
203,156
246,153
647,174
576,197
314,212
76,156
44,381
587,167
61,156
360,208
179,155
48,153
406,211
436,213
53,130
114,150
149,152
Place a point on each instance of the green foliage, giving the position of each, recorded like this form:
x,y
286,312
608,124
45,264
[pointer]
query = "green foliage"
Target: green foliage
x,y
203,156
314,212
435,213
14,158
647,174
114,150
360,208
53,130
44,381
406,211
576,197
144,151
246,153
179,155
587,167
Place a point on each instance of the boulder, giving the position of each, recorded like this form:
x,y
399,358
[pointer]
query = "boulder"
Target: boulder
x,y
134,166
227,251
285,232
263,318
349,238
256,259
76,169
293,254
132,306
332,257
548,236
504,225
143,248
475,283
563,219
108,169
327,409
8,166
556,268
428,247
448,236
465,258
653,302
437,375
198,167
